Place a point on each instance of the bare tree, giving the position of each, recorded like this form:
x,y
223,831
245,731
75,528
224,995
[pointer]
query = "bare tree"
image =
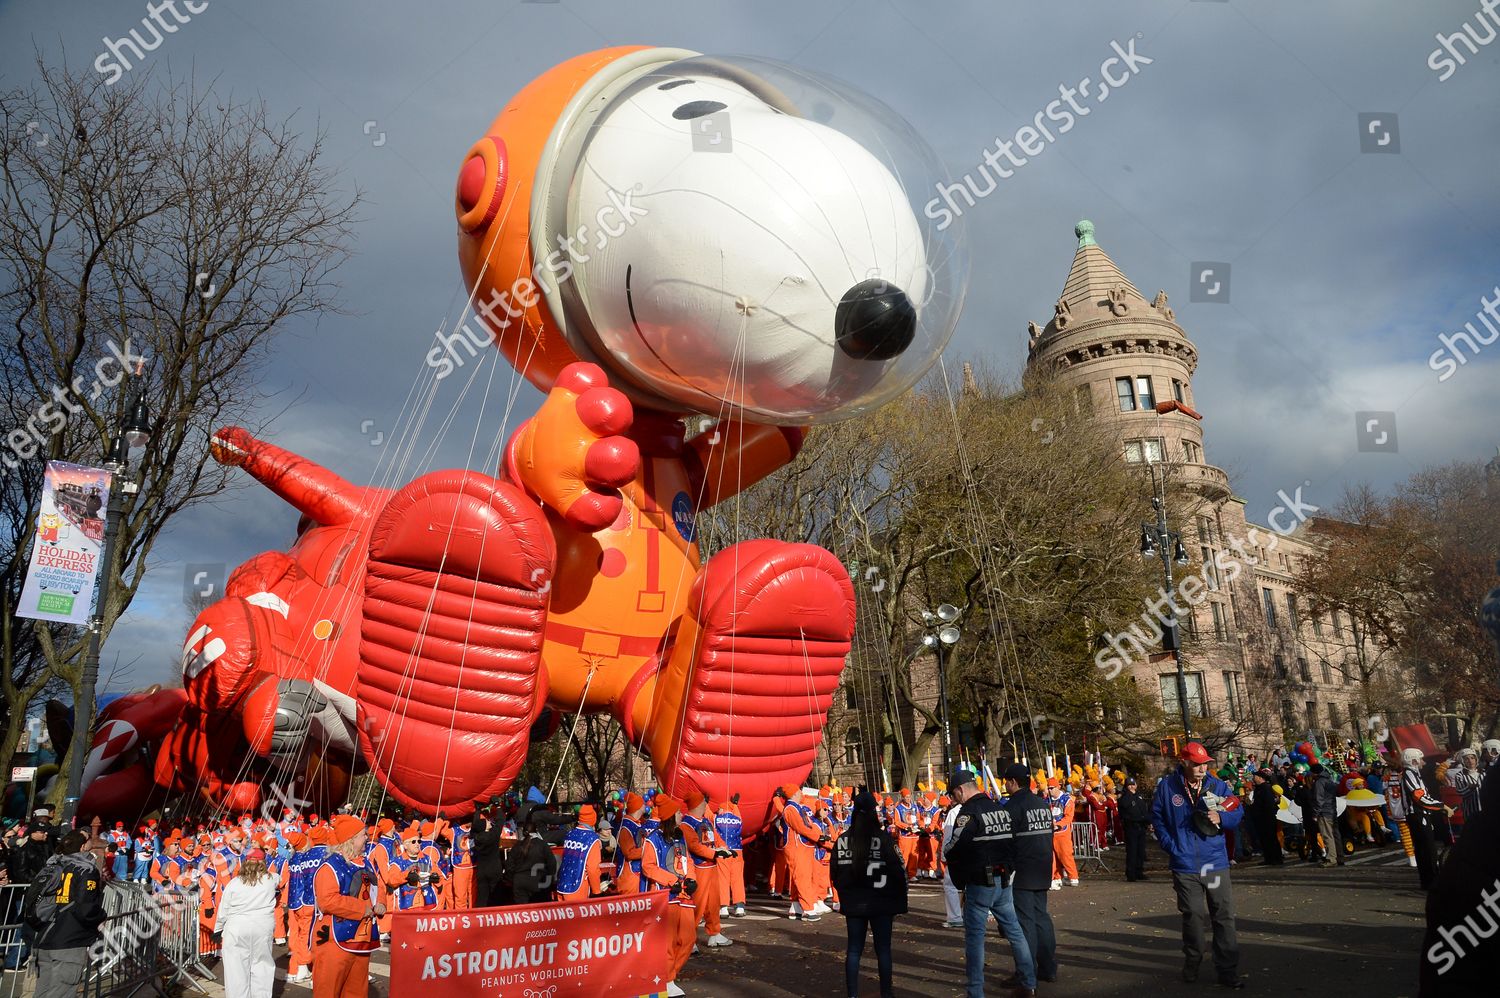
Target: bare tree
x,y
141,220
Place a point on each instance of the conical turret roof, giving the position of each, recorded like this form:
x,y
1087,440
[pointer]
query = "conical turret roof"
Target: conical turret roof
x,y
1093,274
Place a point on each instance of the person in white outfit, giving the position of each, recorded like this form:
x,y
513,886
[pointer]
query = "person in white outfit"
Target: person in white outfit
x,y
246,918
952,899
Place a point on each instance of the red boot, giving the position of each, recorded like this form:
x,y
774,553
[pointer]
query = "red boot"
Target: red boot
x,y
741,703
450,644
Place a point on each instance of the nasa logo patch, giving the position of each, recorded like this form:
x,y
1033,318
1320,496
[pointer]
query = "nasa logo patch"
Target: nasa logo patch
x,y
682,515
1177,800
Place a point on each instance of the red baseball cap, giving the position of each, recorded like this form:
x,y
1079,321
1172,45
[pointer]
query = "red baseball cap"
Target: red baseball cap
x,y
1195,753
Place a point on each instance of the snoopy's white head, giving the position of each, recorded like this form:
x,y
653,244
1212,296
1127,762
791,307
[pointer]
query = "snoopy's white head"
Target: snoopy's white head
x,y
718,251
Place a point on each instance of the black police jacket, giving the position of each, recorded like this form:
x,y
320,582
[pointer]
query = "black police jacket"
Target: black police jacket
x,y
1031,832
982,847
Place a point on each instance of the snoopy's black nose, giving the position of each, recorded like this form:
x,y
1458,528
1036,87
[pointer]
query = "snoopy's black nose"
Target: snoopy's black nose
x,y
874,321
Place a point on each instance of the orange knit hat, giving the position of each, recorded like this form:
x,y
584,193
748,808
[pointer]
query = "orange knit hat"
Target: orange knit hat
x,y
343,828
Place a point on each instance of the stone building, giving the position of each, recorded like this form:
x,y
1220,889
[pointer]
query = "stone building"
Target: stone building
x,y
1261,667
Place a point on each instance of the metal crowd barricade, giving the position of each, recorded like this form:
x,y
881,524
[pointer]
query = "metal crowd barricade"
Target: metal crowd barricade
x,y
1086,851
14,945
125,959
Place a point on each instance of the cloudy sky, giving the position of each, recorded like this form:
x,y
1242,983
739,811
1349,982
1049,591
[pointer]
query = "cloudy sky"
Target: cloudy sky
x,y
1239,144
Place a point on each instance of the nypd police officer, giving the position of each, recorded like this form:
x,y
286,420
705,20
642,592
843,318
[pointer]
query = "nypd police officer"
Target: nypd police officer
x,y
981,861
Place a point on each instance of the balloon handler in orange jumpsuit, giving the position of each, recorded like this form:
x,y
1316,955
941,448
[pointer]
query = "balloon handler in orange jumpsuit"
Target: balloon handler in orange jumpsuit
x,y
730,828
777,281
803,837
666,864
414,876
578,875
344,928
631,840
706,850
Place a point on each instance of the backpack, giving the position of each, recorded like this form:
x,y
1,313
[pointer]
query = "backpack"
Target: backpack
x,y
39,907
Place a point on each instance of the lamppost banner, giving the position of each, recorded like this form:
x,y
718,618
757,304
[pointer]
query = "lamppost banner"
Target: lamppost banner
x,y
63,578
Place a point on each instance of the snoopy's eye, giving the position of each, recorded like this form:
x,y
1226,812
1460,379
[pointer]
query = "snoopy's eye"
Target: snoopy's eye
x,y
697,109
670,84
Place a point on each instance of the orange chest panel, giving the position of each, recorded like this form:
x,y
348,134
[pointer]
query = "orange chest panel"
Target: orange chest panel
x,y
628,580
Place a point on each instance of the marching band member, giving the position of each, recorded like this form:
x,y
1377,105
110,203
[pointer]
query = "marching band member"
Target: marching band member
x,y
730,828
345,930
578,877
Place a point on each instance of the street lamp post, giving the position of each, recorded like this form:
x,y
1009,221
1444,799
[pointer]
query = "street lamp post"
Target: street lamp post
x,y
135,433
1159,542
940,637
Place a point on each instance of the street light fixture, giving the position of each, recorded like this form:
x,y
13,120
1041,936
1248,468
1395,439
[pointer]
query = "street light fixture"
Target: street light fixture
x,y
136,432
941,636
1156,541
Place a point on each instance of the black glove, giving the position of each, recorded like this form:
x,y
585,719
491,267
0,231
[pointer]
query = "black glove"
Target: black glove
x,y
734,798
411,877
691,886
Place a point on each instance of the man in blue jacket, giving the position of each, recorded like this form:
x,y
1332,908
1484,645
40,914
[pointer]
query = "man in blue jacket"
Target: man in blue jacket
x,y
1190,813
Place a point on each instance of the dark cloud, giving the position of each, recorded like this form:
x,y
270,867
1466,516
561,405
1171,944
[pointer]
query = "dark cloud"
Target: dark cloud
x,y
1238,143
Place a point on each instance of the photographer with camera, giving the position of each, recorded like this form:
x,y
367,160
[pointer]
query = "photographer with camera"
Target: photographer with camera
x,y
981,856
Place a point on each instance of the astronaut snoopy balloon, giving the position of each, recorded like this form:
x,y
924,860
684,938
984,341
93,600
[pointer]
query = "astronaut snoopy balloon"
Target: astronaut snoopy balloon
x,y
647,235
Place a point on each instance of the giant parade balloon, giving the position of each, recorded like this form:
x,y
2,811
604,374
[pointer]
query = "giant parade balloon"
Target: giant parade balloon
x,y
651,237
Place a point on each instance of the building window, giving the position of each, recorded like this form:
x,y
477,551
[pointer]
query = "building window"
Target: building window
x,y
1286,566
1149,451
1288,719
851,702
1179,391
1303,670
1189,622
1194,683
1220,631
1083,399
1205,530
1143,392
1270,601
1326,669
1279,665
1192,452
854,749
1333,715
1338,628
1317,620
1126,393
1291,612
1231,701
1312,713
1210,570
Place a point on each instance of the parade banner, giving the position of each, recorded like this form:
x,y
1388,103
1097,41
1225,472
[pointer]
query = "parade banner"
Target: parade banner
x,y
64,573
607,947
